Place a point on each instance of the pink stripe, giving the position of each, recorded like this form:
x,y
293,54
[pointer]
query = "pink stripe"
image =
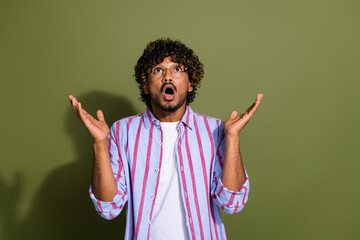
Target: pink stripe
x,y
126,153
231,199
219,157
109,142
216,181
212,157
128,126
148,114
210,137
91,192
133,172
220,190
157,182
218,152
136,152
201,156
213,218
184,186
193,182
125,192
218,149
236,207
243,201
118,145
99,205
145,180
203,168
111,216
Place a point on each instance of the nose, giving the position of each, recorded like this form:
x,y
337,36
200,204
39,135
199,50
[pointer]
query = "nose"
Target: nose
x,y
168,75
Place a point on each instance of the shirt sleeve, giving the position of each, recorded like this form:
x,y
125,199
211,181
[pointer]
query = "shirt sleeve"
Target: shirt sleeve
x,y
110,210
229,201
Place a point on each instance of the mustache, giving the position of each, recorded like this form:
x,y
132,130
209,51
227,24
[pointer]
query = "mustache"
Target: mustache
x,y
166,84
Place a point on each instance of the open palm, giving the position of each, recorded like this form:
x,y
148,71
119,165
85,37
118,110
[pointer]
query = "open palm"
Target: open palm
x,y
98,129
235,123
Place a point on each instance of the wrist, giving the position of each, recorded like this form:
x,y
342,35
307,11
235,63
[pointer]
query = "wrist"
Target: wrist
x,y
100,142
232,136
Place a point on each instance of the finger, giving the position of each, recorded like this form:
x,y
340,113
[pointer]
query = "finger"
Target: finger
x,y
242,114
74,104
233,115
100,116
252,109
82,113
72,99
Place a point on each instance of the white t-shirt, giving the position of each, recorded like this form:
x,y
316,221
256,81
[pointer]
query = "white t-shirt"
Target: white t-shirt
x,y
168,220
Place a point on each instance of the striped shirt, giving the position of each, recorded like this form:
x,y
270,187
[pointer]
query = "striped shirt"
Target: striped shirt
x,y
135,147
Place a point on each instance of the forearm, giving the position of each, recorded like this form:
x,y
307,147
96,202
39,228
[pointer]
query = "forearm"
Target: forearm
x,y
103,181
233,176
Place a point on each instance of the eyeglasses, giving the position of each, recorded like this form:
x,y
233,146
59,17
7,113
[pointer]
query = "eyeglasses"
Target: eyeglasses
x,y
176,71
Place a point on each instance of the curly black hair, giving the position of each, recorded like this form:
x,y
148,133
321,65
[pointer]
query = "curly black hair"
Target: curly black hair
x,y
155,52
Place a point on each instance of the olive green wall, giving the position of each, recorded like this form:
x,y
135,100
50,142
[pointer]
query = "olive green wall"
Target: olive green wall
x,y
299,148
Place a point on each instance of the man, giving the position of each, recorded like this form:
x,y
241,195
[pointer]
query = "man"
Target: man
x,y
172,167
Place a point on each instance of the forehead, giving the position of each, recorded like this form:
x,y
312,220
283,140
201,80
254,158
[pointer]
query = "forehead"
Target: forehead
x,y
167,62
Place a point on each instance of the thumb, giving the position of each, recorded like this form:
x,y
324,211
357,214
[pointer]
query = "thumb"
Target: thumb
x,y
100,116
233,114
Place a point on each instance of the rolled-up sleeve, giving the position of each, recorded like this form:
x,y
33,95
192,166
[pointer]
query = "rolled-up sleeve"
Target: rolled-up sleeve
x,y
110,210
229,201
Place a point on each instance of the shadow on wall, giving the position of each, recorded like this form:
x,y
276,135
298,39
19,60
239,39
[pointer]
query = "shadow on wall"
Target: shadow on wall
x,y
9,200
62,208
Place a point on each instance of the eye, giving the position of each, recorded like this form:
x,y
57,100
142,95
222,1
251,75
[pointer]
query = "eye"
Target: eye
x,y
157,70
178,69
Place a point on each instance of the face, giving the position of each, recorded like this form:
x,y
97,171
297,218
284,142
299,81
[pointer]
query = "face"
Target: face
x,y
168,86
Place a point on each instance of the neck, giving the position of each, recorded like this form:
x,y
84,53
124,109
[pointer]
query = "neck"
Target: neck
x,y
164,116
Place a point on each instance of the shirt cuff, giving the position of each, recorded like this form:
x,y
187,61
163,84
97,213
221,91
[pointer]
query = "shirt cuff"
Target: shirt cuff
x,y
115,205
231,201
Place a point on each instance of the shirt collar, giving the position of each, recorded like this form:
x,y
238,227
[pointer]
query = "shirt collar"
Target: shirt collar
x,y
187,120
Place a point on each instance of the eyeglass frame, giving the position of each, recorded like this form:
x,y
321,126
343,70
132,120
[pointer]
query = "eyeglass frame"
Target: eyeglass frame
x,y
150,70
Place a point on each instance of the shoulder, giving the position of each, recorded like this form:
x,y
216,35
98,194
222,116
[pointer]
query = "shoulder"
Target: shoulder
x,y
212,121
123,124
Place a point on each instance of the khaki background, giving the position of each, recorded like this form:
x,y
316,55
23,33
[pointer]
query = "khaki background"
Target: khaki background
x,y
299,148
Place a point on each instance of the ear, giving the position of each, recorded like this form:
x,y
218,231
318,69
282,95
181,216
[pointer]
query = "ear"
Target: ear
x,y
146,88
190,88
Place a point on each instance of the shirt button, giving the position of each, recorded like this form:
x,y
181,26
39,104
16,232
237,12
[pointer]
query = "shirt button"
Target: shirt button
x,y
157,169
185,194
190,220
153,196
182,168
157,122
149,221
160,143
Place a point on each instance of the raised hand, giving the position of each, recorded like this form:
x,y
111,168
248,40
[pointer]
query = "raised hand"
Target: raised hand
x,y
98,129
234,124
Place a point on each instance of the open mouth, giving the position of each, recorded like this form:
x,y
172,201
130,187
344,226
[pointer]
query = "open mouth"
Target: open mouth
x,y
169,92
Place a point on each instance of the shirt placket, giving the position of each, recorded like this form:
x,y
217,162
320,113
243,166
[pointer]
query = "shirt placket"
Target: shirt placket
x,y
181,172
157,169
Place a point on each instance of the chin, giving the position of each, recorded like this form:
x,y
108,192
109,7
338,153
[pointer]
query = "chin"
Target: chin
x,y
169,106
